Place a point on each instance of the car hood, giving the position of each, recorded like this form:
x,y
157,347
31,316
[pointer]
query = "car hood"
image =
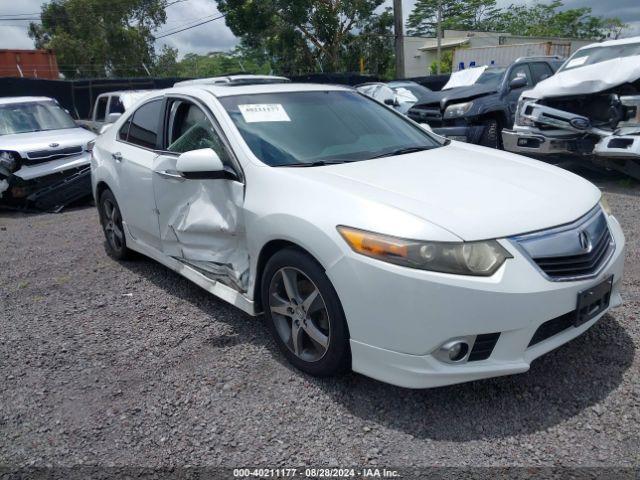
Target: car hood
x,y
474,192
36,141
588,79
445,97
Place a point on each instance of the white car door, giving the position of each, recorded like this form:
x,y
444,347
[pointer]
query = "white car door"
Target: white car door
x,y
201,220
134,154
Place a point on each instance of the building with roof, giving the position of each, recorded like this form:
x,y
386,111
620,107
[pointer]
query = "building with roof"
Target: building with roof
x,y
421,52
29,64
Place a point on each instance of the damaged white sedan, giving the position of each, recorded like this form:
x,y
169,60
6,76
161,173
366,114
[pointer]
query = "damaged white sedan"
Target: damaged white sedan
x,y
44,161
368,242
590,107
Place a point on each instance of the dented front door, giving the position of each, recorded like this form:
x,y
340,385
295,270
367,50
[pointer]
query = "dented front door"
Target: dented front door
x,y
201,221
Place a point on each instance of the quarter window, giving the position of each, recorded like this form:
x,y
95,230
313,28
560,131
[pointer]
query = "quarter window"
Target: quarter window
x,y
190,129
116,105
143,130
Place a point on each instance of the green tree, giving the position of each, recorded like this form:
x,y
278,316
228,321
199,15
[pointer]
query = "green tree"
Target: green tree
x,y
551,20
446,63
95,38
456,15
301,36
219,63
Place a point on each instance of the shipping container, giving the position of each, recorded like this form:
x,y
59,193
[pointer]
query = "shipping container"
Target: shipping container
x,y
503,55
29,64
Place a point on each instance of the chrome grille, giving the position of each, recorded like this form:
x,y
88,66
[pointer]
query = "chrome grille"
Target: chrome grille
x,y
571,252
38,156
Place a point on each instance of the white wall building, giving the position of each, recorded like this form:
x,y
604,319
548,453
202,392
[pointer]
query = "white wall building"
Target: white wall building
x,y
421,52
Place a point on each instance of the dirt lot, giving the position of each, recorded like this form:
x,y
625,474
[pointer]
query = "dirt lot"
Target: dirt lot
x,y
129,364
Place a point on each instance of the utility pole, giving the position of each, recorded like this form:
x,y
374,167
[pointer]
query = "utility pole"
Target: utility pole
x,y
399,37
439,40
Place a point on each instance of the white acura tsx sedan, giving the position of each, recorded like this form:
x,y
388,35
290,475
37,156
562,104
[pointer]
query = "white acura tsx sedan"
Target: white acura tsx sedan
x,y
368,242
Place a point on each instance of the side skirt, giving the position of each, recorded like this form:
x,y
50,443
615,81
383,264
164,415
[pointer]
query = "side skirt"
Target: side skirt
x,y
218,289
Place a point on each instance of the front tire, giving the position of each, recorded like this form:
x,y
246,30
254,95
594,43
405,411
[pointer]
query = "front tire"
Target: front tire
x,y
304,314
111,220
491,135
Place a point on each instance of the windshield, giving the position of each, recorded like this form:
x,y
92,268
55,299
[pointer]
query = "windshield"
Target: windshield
x,y
595,55
418,90
303,128
33,117
491,77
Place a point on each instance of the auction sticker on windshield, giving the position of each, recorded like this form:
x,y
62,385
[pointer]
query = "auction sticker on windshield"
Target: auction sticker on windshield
x,y
264,112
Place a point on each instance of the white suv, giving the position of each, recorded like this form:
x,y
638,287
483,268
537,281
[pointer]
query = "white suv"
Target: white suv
x,y
368,242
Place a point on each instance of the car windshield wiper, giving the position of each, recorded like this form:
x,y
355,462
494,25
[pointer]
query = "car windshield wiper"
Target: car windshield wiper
x,y
402,151
317,163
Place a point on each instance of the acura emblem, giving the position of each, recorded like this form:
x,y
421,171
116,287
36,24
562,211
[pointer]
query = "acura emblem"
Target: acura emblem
x,y
585,241
54,145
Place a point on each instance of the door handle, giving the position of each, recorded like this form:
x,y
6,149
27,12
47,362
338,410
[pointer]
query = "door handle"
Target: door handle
x,y
171,174
117,156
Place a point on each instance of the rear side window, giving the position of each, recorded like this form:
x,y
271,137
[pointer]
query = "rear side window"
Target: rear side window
x,y
124,131
101,109
540,71
144,126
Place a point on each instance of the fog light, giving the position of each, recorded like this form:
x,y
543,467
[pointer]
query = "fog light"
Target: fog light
x,y
455,351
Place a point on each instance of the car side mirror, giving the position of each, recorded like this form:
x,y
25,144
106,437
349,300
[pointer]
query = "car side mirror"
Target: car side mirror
x,y
518,82
203,164
113,117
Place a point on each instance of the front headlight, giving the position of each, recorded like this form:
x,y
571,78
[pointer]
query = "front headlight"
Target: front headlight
x,y
605,205
461,258
457,110
8,163
521,119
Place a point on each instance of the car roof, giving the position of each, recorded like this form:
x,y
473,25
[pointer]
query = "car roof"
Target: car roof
x,y
125,92
223,90
10,100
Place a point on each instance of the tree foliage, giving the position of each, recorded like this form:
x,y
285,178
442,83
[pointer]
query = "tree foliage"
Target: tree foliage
x,y
536,19
307,35
97,38
222,63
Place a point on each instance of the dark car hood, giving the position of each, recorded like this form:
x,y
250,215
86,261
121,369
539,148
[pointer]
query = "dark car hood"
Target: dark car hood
x,y
444,97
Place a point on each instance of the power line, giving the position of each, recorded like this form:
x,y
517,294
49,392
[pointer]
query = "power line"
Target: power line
x,y
189,28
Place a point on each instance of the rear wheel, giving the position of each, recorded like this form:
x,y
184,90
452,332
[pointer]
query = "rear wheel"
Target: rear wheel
x,y
304,314
111,220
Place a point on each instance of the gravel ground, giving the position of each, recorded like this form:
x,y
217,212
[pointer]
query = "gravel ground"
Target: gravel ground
x,y
110,363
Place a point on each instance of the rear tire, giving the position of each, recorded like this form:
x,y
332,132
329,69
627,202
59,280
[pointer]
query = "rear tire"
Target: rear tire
x,y
491,135
111,221
304,314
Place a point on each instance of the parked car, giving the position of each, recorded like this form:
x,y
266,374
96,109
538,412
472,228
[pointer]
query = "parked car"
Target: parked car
x,y
110,106
44,162
589,109
400,94
477,103
367,242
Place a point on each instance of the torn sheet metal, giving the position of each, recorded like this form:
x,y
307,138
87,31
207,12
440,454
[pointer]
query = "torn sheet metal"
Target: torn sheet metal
x,y
201,226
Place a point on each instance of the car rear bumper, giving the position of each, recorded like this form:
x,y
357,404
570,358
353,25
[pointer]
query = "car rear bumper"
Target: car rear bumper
x,y
399,318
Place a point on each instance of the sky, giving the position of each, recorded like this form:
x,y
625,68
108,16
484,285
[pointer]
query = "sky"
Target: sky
x,y
215,36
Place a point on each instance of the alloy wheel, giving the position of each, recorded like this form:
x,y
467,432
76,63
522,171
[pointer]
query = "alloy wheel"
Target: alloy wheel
x,y
113,224
299,314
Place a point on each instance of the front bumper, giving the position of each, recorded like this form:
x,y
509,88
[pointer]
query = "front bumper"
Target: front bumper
x,y
399,317
537,143
467,133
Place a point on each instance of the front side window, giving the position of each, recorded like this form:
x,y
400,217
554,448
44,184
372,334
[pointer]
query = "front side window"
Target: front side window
x,y
520,71
298,128
145,122
116,105
33,117
190,129
540,71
